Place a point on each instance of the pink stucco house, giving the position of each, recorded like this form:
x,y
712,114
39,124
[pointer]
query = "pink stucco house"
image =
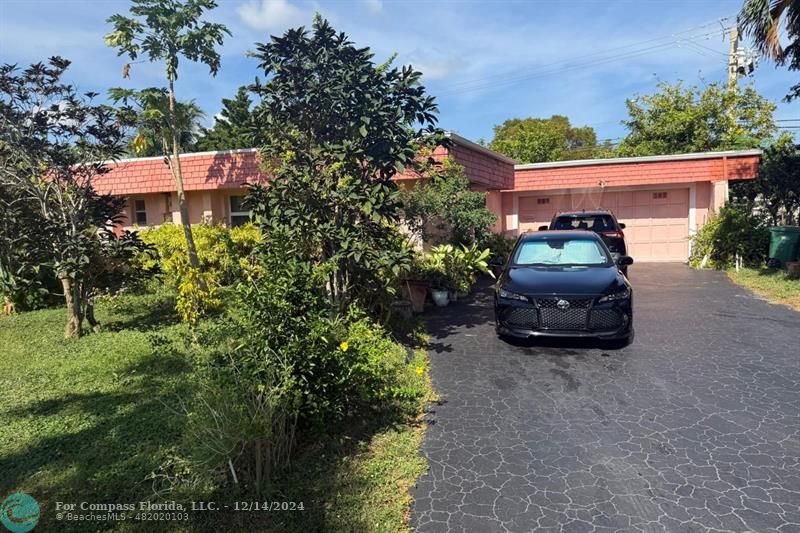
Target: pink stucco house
x,y
663,200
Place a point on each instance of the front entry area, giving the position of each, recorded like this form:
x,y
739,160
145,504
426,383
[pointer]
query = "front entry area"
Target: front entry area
x,y
656,220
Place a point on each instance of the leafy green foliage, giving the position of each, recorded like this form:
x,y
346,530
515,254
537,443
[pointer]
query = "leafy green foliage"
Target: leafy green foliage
x,y
218,249
154,121
733,231
455,268
442,208
164,30
198,294
766,21
679,119
776,192
533,140
54,142
499,245
335,128
233,128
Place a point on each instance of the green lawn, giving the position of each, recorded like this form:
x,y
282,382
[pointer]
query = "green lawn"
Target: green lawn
x,y
771,284
88,420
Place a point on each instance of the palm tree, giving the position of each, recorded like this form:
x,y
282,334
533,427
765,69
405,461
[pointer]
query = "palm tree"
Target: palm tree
x,y
762,21
152,137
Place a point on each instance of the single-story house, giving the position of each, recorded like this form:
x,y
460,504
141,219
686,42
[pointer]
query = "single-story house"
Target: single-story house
x,y
662,200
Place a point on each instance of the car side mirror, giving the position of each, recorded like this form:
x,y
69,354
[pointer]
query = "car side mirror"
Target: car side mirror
x,y
625,260
621,225
543,228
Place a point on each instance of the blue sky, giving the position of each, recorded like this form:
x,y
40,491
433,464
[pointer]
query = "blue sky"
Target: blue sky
x,y
486,61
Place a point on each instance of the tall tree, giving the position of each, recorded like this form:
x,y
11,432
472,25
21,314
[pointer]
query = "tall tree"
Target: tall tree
x,y
678,119
165,30
763,21
53,143
776,192
334,128
233,128
533,140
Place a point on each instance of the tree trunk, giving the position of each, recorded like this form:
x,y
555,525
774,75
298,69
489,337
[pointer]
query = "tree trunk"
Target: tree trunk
x,y
74,315
177,175
90,317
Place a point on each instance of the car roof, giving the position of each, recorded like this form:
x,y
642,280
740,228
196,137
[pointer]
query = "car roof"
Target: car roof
x,y
582,213
559,234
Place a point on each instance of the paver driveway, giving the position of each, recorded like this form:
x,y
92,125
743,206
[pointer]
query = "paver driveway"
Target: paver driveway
x,y
694,427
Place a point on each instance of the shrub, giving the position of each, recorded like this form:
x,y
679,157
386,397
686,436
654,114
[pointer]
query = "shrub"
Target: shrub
x,y
198,293
455,269
499,245
733,231
216,251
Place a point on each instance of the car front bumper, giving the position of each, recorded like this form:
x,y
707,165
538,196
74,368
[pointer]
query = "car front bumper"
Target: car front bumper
x,y
609,320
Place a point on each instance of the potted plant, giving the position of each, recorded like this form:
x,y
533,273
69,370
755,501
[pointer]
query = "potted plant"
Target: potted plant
x,y
438,277
416,285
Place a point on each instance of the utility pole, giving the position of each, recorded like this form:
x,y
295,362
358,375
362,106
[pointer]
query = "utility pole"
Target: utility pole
x,y
733,59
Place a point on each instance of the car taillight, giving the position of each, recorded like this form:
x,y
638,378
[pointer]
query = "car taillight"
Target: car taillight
x,y
617,234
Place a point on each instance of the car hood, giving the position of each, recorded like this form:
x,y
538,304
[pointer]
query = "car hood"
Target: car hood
x,y
562,280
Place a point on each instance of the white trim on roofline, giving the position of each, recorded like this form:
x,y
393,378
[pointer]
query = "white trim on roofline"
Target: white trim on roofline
x,y
458,139
642,159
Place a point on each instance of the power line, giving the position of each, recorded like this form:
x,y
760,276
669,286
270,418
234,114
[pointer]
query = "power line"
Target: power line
x,y
495,81
670,37
633,50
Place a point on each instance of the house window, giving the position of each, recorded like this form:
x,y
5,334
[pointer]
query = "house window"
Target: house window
x,y
239,215
659,195
141,212
543,201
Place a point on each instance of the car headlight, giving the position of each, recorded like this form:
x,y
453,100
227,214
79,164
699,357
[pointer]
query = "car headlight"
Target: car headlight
x,y
624,294
502,293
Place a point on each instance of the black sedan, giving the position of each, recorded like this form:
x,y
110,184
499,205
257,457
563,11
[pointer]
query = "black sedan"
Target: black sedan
x,y
564,284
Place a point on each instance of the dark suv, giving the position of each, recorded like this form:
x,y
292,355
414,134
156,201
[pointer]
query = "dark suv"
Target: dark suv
x,y
601,221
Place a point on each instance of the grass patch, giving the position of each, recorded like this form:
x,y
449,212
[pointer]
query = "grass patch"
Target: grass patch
x,y
359,480
87,420
84,419
772,284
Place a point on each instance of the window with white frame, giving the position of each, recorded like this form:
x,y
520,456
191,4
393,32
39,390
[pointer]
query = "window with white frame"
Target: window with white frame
x,y
140,212
238,214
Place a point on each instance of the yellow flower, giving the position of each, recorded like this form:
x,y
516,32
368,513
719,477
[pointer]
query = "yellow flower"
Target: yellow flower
x,y
344,346
420,370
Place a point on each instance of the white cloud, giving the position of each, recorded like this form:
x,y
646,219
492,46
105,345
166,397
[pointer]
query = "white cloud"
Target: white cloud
x,y
271,14
374,6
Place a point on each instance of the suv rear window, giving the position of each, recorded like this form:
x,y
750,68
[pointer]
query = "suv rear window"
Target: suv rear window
x,y
596,223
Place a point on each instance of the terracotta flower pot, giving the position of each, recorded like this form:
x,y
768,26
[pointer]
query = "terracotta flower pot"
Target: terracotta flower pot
x,y
417,291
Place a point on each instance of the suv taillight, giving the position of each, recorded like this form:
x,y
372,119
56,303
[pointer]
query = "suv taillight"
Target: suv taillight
x,y
617,234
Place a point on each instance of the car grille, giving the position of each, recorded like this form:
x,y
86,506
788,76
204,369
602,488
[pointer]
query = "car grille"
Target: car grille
x,y
605,319
522,318
571,318
579,315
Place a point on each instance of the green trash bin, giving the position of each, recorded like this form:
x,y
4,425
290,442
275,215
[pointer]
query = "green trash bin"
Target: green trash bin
x,y
784,244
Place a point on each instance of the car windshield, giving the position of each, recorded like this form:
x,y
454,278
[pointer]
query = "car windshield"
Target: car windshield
x,y
561,252
596,223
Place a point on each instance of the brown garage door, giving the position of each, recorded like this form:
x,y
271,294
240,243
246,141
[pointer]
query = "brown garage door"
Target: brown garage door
x,y
657,221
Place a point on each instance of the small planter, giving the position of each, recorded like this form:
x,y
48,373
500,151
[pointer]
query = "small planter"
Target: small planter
x,y
440,297
417,291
